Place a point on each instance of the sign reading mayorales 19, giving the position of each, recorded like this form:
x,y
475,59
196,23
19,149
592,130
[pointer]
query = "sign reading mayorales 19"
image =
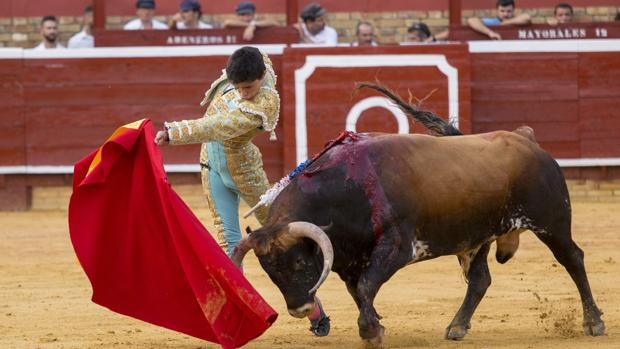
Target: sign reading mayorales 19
x,y
562,33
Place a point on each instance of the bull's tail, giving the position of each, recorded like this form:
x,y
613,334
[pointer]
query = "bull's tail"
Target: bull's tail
x,y
431,121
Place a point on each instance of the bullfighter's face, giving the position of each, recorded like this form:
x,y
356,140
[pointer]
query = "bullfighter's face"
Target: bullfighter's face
x,y
248,89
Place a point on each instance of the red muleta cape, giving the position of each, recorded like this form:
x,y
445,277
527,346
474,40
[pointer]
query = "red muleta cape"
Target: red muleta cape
x,y
147,255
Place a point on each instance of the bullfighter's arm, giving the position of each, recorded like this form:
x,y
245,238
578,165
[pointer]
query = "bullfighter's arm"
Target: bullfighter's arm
x,y
211,128
221,123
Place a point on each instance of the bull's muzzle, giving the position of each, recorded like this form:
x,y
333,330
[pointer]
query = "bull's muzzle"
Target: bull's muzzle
x,y
302,311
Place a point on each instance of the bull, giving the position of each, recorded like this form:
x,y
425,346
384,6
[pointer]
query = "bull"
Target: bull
x,y
371,204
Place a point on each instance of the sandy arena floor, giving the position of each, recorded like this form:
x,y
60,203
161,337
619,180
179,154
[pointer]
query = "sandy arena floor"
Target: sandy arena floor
x,y
532,303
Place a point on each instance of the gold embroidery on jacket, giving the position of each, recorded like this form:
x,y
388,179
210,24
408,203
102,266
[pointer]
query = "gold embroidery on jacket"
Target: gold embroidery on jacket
x,y
234,122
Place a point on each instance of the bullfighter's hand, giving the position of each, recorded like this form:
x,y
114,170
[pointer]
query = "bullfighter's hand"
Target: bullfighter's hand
x,y
161,138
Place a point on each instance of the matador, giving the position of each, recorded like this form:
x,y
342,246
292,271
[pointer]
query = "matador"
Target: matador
x,y
241,104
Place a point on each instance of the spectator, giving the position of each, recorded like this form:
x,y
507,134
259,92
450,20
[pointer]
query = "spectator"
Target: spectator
x,y
246,18
145,10
365,33
505,16
189,16
84,39
419,32
313,29
563,13
49,32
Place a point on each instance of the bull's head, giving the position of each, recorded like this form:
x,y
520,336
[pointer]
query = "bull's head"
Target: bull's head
x,y
292,261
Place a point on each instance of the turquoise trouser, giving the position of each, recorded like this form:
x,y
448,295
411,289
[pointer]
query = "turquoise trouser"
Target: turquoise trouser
x,y
225,195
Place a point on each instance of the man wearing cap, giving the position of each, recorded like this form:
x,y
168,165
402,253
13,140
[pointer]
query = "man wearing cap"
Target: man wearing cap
x,y
145,10
188,16
246,18
420,33
313,29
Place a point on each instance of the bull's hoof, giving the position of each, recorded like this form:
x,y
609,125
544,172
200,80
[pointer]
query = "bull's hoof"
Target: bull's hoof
x,y
455,332
375,342
597,329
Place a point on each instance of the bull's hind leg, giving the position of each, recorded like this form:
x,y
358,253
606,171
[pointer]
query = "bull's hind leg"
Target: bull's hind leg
x,y
479,280
566,251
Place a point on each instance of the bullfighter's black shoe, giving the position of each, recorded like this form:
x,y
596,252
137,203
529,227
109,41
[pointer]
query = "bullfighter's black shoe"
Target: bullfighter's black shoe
x,y
320,326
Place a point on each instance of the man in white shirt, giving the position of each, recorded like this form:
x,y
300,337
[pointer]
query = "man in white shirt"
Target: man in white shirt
x,y
313,29
84,39
145,10
188,16
49,32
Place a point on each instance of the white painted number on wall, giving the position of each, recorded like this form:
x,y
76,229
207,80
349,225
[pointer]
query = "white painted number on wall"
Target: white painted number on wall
x,y
601,32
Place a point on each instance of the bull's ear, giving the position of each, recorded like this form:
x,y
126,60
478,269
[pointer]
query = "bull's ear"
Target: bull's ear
x,y
248,230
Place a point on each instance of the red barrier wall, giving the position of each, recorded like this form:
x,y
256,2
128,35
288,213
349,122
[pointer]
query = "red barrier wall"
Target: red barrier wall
x,y
330,82
58,106
569,98
12,124
56,111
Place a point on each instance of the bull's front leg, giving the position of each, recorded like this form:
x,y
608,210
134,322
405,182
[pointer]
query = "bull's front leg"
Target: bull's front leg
x,y
352,288
390,254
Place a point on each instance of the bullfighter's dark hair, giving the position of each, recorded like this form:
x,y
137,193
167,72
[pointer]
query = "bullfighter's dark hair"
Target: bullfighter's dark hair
x,y
245,65
430,120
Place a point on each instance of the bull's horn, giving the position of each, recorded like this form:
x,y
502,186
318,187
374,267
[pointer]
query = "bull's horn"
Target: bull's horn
x,y
311,231
243,246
